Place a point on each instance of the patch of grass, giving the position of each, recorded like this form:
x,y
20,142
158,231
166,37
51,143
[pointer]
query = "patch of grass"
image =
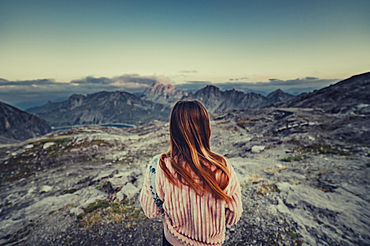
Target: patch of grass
x,y
96,205
292,234
328,149
100,210
265,188
59,141
52,152
80,216
287,159
295,158
106,186
254,178
117,217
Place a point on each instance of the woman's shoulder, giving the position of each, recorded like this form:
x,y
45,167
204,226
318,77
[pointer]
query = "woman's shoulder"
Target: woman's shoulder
x,y
157,158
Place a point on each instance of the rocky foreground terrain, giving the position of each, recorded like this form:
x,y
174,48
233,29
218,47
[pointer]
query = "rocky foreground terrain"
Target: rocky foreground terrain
x,y
304,177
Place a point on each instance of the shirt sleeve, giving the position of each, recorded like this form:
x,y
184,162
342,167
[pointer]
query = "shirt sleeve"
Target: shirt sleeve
x,y
148,205
234,208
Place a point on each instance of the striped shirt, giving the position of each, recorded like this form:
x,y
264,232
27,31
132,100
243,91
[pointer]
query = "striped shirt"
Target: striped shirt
x,y
190,219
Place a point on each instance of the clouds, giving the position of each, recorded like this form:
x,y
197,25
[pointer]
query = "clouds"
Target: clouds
x,y
293,86
38,82
189,71
239,79
29,93
298,81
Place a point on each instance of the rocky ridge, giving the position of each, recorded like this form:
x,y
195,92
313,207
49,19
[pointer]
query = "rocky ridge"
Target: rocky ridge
x,y
154,104
164,94
101,107
302,182
346,96
16,124
216,100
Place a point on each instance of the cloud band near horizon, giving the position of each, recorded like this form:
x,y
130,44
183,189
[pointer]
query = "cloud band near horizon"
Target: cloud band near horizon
x,y
28,93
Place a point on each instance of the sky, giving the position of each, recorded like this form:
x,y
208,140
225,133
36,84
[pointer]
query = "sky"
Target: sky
x,y
52,49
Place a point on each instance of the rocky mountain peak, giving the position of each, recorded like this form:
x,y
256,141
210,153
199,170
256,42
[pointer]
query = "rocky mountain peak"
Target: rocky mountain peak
x,y
76,96
210,88
157,87
279,96
216,100
278,91
164,94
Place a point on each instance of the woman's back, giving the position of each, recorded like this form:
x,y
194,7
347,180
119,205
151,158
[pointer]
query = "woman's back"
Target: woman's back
x,y
191,219
199,188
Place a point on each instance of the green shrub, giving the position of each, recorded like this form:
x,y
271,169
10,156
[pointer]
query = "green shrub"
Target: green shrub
x,y
94,206
52,152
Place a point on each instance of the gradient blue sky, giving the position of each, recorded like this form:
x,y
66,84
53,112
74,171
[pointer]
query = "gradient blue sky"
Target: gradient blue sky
x,y
180,42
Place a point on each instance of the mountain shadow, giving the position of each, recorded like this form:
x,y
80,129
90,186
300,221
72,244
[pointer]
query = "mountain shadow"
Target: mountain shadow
x,y
19,125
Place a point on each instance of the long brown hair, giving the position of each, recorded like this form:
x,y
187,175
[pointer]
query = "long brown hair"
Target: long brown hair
x,y
190,130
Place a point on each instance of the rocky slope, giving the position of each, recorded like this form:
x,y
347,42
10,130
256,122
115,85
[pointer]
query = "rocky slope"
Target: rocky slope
x,y
349,95
101,107
16,124
216,100
303,181
164,94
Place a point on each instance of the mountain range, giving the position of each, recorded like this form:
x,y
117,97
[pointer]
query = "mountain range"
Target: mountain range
x,y
101,107
154,104
216,100
119,107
